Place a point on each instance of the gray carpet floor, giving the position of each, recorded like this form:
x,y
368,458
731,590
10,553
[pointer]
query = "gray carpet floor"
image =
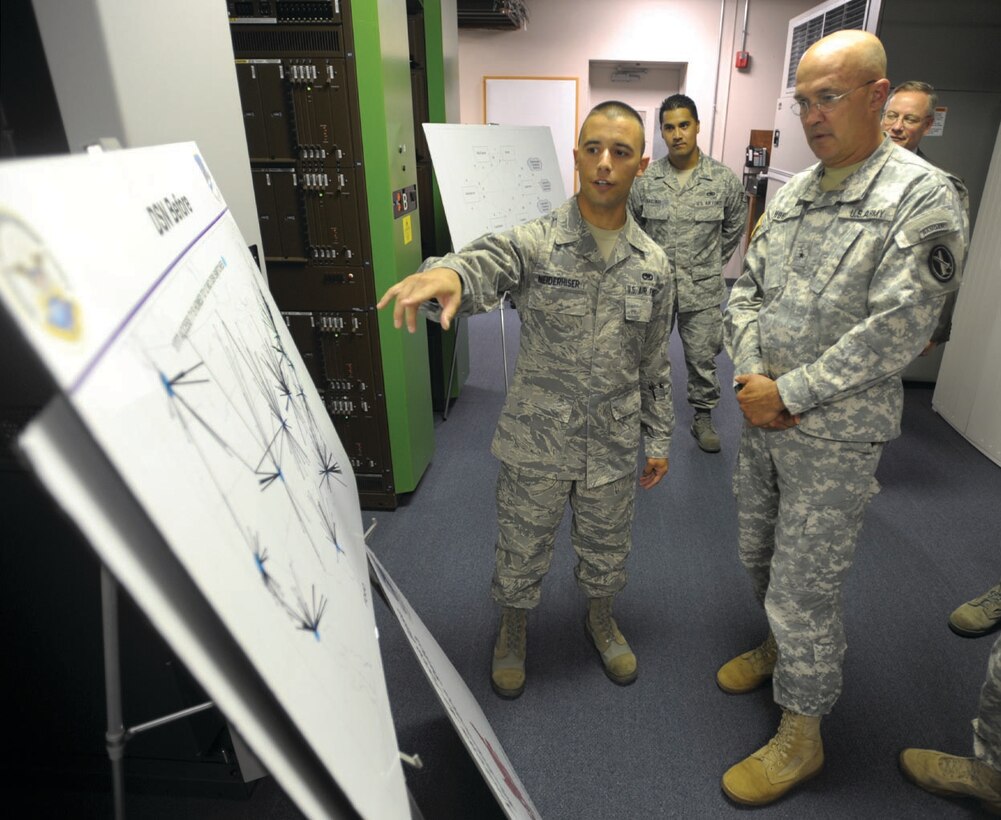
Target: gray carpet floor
x,y
585,748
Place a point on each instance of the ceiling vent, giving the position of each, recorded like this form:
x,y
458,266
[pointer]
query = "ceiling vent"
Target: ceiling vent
x,y
492,14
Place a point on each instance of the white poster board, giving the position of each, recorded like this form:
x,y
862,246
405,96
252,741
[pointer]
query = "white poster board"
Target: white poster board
x,y
208,475
968,391
493,177
463,710
546,101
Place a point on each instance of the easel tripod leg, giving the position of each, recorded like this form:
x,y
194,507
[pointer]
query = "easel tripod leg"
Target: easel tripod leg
x,y
451,370
115,736
503,342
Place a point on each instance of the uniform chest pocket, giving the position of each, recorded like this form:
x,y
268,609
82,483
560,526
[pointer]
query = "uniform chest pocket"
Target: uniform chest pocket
x,y
638,308
841,250
559,300
660,211
708,213
776,267
702,249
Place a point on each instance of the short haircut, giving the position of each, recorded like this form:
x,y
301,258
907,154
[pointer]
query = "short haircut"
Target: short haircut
x,y
614,109
923,88
676,101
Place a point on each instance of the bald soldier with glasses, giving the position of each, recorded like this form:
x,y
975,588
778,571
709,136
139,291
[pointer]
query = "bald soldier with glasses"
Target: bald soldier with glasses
x,y
825,103
843,281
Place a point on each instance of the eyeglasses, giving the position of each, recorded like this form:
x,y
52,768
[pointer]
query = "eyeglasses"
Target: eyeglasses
x,y
825,103
891,117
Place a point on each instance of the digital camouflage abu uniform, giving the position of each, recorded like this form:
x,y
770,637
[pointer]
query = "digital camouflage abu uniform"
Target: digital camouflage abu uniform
x,y
699,226
592,373
840,291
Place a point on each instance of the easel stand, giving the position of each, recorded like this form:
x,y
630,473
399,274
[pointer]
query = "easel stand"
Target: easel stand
x,y
455,355
117,735
414,761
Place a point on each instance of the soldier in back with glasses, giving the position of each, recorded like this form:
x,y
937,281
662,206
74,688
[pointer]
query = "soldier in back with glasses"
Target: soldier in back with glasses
x,y
909,115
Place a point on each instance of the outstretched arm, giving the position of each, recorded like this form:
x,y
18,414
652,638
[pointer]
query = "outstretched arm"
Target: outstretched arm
x,y
442,284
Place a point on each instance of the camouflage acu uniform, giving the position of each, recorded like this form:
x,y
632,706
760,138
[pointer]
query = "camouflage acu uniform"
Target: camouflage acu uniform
x,y
943,330
593,372
699,226
987,725
840,291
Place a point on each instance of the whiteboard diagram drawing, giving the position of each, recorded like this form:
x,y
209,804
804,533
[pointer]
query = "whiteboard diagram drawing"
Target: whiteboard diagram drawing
x,y
188,380
493,177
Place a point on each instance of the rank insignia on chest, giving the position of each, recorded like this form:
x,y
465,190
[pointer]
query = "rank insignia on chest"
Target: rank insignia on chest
x,y
941,263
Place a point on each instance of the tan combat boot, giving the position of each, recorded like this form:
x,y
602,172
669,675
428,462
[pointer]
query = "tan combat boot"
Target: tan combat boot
x,y
952,776
979,616
793,756
749,671
507,673
616,656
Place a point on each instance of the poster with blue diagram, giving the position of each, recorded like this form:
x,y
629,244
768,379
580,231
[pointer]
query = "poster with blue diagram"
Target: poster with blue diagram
x,y
127,274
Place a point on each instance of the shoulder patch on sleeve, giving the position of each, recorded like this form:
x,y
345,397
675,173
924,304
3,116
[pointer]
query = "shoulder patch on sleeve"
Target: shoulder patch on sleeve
x,y
941,263
927,226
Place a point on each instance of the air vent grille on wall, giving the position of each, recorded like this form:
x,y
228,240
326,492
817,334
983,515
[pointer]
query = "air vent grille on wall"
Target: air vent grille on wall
x,y
492,14
843,15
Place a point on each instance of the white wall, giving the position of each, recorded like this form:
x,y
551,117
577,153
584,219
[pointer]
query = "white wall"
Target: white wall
x,y
751,95
563,36
644,94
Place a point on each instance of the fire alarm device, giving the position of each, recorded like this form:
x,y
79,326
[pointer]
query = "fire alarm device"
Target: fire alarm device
x,y
743,59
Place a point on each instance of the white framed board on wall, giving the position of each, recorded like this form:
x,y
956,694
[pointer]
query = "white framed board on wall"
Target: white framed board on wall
x,y
550,101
